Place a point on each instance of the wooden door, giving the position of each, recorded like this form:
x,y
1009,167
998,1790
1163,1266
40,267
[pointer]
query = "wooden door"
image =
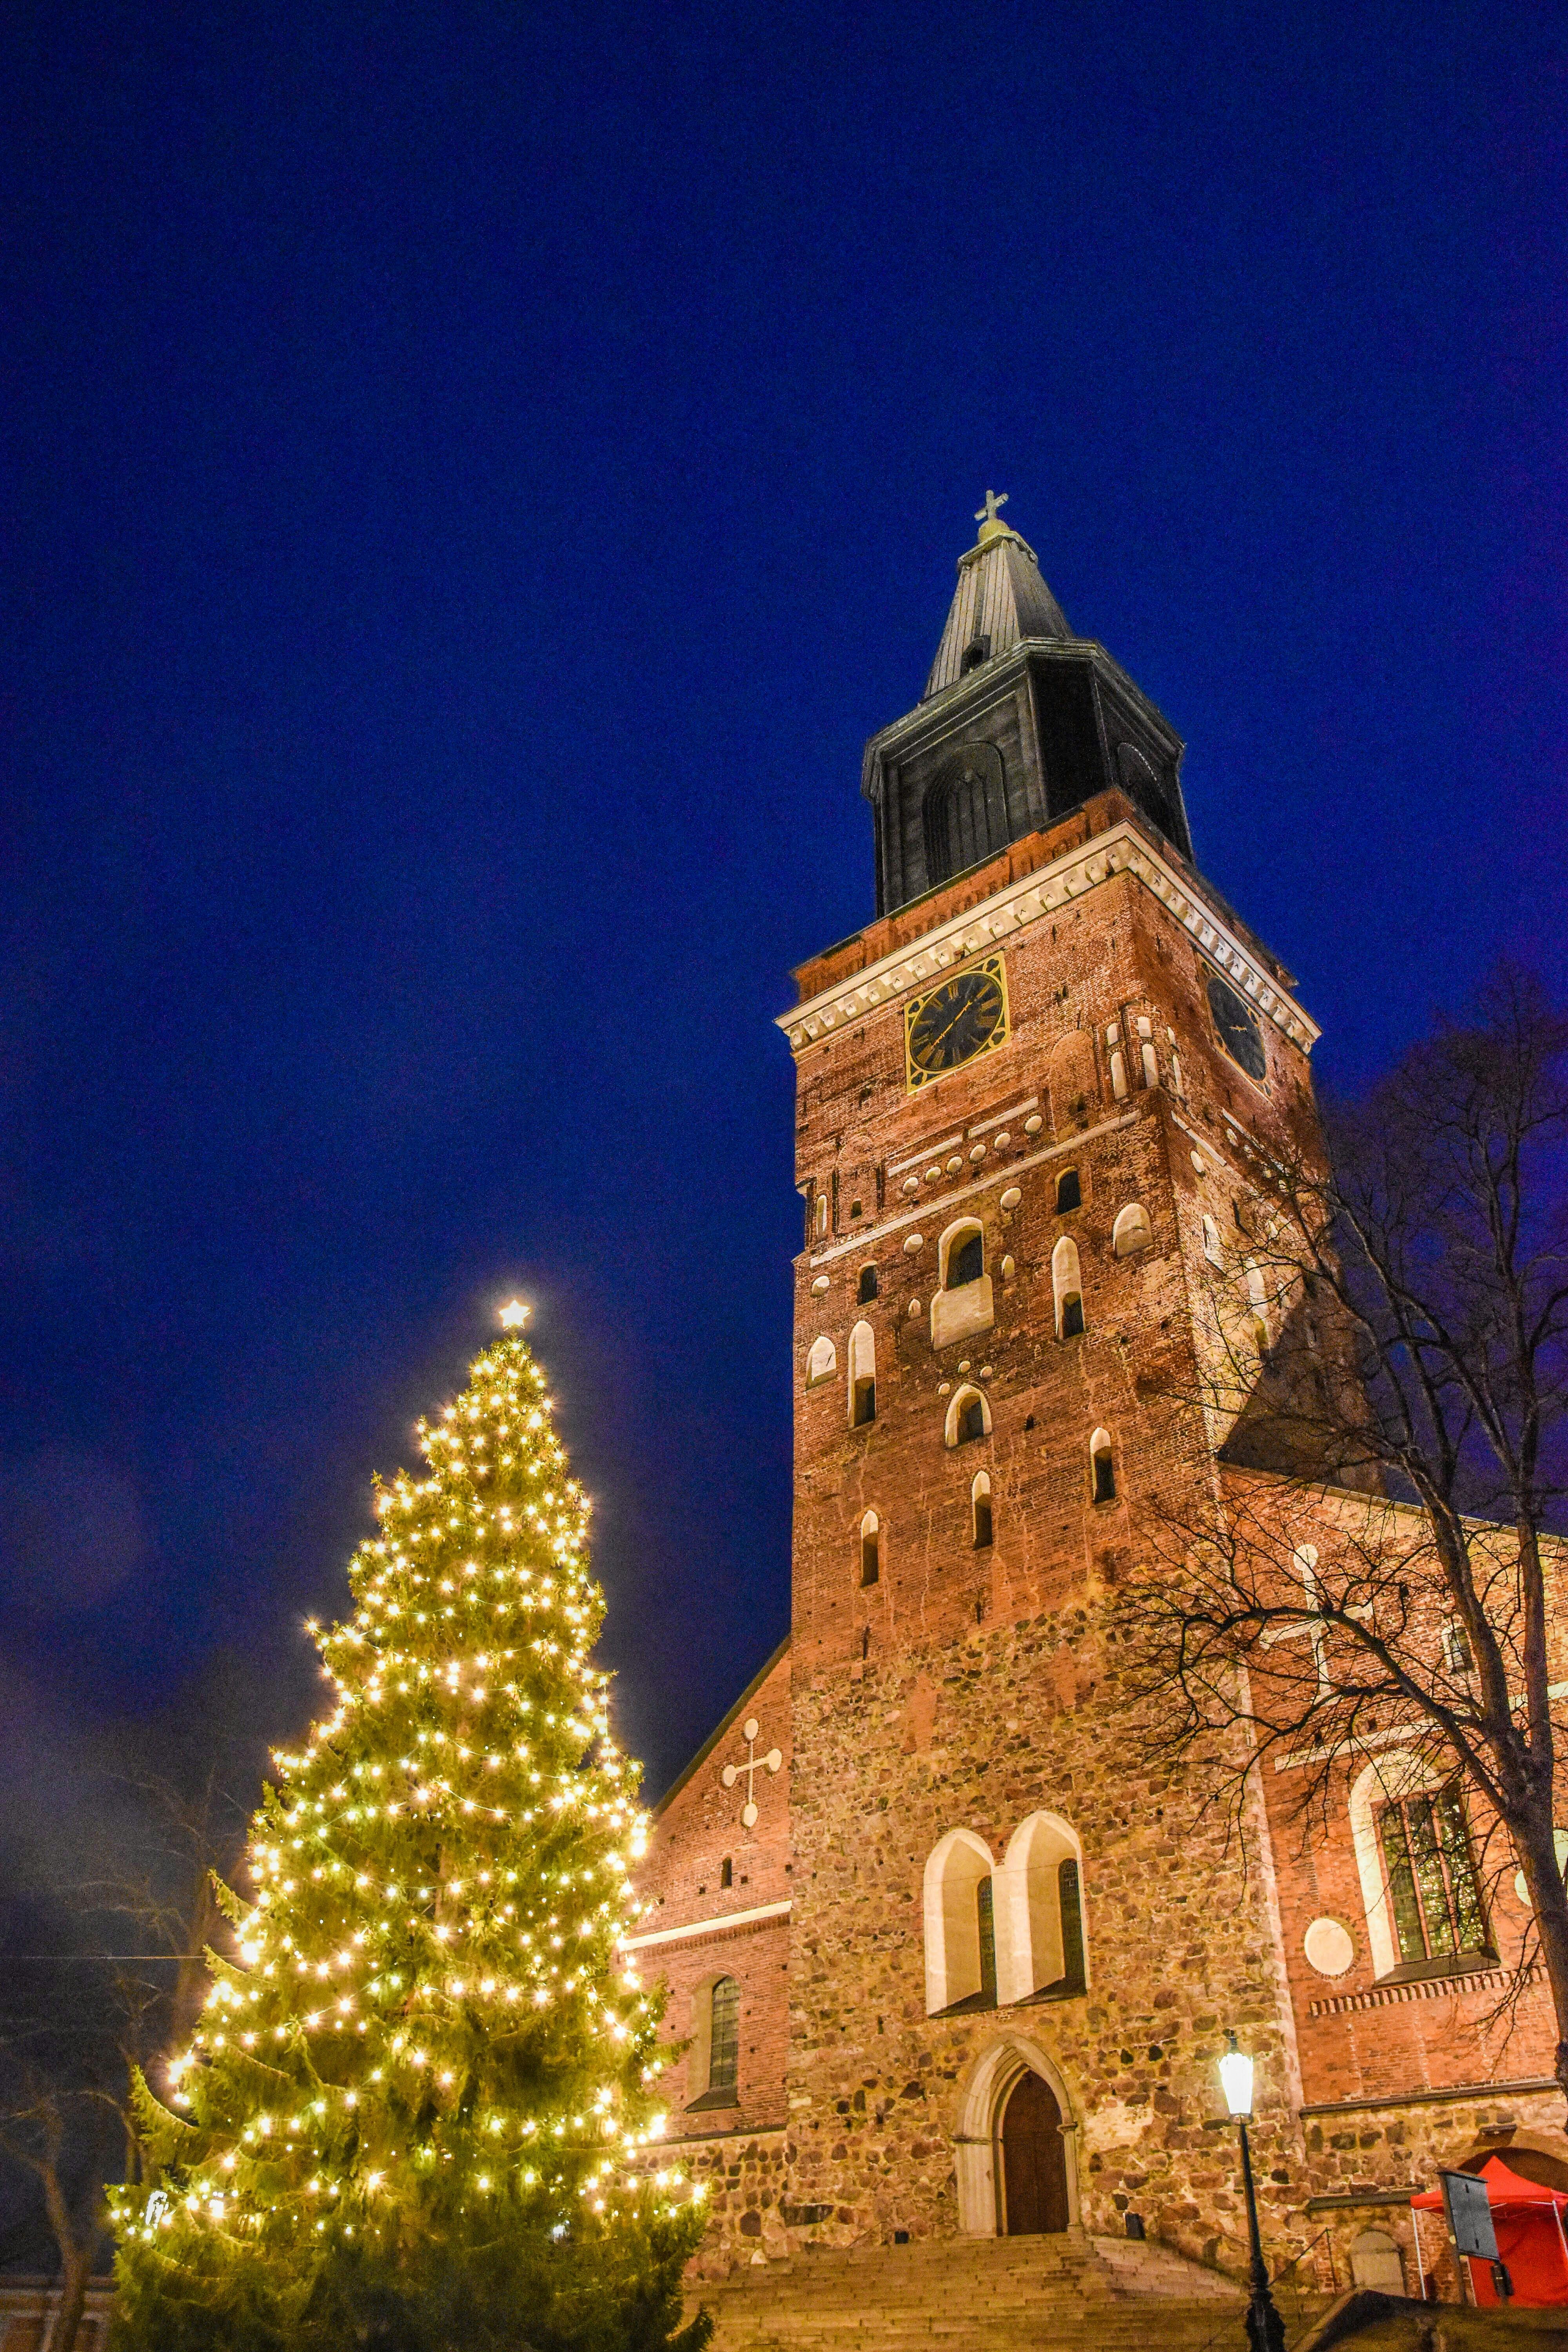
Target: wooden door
x,y
1033,2161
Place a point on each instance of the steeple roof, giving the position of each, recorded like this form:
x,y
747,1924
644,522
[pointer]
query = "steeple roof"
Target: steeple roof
x,y
1000,598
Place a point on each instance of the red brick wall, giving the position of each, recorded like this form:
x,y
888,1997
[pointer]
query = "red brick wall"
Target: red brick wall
x,y
693,1831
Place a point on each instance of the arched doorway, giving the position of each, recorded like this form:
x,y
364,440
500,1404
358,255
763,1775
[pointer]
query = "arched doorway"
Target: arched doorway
x,y
1034,2159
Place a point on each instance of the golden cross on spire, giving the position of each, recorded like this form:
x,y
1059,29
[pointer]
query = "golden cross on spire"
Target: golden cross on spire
x,y
994,499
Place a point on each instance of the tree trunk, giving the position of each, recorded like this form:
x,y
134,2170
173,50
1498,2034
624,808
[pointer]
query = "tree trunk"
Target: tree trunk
x,y
1549,1901
74,2283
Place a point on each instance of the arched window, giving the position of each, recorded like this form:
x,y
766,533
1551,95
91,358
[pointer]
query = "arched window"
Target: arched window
x,y
868,1290
964,813
968,1416
961,1949
1067,1286
980,1504
965,1303
1456,1657
713,2059
1070,1191
724,2042
1040,1947
1213,1248
727,1871
1132,1232
1103,1466
821,1215
1424,1912
862,1376
870,1548
821,1363
966,1258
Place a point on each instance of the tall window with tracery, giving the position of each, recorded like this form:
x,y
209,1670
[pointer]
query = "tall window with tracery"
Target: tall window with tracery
x,y
1433,1888
724,2036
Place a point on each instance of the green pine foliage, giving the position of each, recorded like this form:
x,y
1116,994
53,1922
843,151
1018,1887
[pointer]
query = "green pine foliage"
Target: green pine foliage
x,y
420,2107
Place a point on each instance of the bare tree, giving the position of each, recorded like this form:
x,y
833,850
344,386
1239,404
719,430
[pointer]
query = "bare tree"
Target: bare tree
x,y
108,1977
1374,1568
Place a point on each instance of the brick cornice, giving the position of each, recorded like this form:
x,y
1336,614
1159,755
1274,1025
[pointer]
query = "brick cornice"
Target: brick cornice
x,y
1017,906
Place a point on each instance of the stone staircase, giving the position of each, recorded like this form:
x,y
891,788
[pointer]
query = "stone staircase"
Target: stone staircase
x,y
1056,2294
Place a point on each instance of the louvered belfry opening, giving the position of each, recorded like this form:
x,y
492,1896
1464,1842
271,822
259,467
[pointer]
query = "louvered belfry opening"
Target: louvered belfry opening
x,y
966,813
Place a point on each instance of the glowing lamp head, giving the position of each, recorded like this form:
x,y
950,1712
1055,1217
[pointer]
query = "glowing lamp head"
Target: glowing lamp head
x,y
1235,2080
513,1315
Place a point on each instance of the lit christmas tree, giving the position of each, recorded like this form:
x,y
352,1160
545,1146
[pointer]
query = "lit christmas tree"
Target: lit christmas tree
x,y
427,2080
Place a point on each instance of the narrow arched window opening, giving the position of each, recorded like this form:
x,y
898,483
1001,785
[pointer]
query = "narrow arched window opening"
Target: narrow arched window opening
x,y
862,1376
966,1259
1070,1191
1213,1248
724,2040
985,1924
727,1871
968,1415
1103,1466
1457,1655
980,1503
868,1290
1068,1285
870,1549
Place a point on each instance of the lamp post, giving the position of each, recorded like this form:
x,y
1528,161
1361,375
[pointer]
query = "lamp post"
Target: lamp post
x,y
1264,2328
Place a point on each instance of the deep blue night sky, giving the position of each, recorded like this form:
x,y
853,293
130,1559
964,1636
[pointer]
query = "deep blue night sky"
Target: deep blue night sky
x,y
476,477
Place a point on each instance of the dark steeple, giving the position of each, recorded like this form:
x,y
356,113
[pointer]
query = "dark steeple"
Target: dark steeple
x,y
1021,722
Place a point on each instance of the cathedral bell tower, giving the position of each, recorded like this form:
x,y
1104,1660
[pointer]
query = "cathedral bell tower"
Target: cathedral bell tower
x,y
1033,1098
1020,724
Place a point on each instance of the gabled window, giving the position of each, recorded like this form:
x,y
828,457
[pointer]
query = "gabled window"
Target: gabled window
x,y
862,1376
980,1506
1070,1191
1103,1466
868,1290
870,1548
1066,1284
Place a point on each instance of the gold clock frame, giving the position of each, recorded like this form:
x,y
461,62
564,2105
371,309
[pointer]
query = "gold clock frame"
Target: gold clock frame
x,y
997,966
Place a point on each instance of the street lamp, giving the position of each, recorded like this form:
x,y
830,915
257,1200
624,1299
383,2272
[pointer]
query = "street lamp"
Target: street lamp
x,y
1264,2328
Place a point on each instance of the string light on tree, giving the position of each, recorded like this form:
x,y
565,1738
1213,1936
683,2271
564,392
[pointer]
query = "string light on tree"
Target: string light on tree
x,y
425,2033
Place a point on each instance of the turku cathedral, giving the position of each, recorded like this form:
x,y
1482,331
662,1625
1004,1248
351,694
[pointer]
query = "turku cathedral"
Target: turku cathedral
x,y
948,1961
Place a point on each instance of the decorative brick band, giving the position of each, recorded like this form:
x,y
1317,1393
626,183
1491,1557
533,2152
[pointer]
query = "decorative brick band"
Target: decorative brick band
x,y
1347,2004
707,1931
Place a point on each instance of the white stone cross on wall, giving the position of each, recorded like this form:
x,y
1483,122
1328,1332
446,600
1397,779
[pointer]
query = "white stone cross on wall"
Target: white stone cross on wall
x,y
1315,1629
748,1770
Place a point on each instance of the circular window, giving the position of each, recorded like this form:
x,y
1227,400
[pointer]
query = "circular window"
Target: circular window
x,y
1329,1946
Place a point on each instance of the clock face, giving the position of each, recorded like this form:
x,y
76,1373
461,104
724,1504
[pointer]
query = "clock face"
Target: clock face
x,y
965,1017
1239,1032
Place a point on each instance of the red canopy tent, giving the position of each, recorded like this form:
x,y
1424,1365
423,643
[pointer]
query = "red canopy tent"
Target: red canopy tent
x,y
1530,2235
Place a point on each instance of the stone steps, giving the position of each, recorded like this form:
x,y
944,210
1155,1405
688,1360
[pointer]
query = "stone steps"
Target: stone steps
x,y
1066,2293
